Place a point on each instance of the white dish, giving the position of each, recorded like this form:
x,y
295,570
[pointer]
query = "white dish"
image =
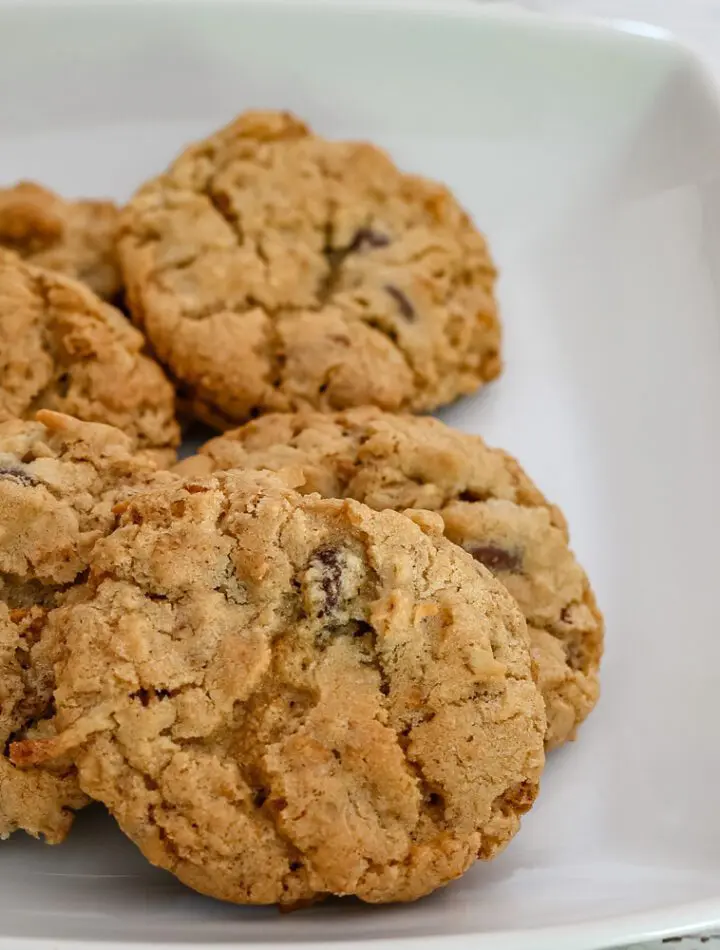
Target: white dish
x,y
588,155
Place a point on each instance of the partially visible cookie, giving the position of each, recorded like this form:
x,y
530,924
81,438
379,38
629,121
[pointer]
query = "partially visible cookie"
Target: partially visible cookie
x,y
273,269
62,348
59,481
76,238
488,505
41,801
281,697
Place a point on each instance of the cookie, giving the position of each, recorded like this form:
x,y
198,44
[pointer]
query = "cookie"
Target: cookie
x,y
272,269
75,238
488,505
59,481
41,801
281,697
62,348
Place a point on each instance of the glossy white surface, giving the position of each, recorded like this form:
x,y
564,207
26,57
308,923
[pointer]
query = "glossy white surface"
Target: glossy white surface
x,y
589,157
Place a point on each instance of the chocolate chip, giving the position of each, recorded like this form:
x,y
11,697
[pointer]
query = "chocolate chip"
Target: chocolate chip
x,y
404,305
222,203
260,797
18,475
497,559
143,695
363,238
331,570
147,695
366,237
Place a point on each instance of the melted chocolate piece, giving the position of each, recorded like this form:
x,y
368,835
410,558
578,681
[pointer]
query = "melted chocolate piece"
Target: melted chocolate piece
x,y
404,305
363,238
366,237
336,256
497,559
18,475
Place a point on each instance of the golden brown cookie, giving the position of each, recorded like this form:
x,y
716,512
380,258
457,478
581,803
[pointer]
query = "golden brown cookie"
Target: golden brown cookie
x,y
62,348
281,697
488,505
76,238
272,269
59,481
41,801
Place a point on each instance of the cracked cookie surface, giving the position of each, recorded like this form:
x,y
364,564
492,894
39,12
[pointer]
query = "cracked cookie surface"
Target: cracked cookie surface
x,y
281,697
59,481
75,238
62,348
487,502
273,270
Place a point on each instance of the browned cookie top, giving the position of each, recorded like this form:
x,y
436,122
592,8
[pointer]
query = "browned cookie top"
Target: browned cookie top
x,y
281,697
62,348
59,481
488,505
76,238
273,269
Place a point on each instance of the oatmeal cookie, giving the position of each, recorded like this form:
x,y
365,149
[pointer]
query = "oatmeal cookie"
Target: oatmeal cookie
x,y
62,348
272,269
76,238
59,481
281,697
488,505
41,801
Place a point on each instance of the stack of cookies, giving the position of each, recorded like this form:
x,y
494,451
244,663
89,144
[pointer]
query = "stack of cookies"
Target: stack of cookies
x,y
327,653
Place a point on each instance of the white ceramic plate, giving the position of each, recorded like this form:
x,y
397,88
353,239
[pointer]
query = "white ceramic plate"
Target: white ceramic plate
x,y
589,155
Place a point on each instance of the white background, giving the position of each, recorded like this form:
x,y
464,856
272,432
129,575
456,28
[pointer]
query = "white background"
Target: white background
x,y
697,23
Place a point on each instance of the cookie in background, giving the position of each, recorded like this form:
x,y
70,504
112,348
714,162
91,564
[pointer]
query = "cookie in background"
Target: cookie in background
x,y
74,237
59,482
272,269
62,348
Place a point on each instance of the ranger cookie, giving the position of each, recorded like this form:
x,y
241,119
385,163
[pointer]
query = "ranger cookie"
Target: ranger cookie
x,y
59,481
75,238
488,505
62,348
272,269
281,697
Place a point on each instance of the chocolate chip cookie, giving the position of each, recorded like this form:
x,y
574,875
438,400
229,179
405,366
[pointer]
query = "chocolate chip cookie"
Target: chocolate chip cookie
x,y
76,238
272,269
59,481
280,696
62,348
488,505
